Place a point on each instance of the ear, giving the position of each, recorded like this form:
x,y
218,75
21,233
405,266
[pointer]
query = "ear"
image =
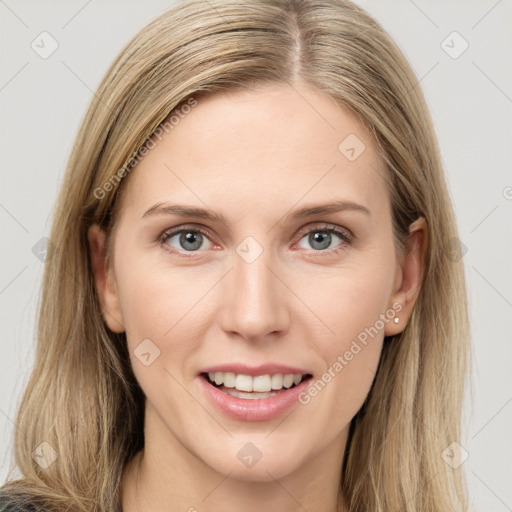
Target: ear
x,y
104,280
408,277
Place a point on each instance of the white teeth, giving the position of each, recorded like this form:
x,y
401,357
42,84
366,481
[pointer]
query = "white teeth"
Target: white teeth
x,y
243,383
229,380
288,381
277,381
259,383
250,396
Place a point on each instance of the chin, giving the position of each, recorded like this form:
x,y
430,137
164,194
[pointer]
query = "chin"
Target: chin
x,y
256,459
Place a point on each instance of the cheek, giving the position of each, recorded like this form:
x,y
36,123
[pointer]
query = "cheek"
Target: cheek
x,y
159,307
352,306
348,303
154,296
165,304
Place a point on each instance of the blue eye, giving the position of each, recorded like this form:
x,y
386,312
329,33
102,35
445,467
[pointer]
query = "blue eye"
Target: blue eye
x,y
321,239
188,240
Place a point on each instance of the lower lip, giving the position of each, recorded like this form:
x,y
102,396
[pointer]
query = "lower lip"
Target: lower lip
x,y
260,409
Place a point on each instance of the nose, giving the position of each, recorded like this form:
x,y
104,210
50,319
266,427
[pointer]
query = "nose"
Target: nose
x,y
254,300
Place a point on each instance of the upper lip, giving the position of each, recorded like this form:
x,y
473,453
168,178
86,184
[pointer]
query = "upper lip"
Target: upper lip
x,y
264,369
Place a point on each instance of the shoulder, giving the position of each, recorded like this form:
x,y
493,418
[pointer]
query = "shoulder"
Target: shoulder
x,y
14,501
15,508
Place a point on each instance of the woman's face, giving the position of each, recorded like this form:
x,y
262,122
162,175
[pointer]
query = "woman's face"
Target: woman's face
x,y
224,263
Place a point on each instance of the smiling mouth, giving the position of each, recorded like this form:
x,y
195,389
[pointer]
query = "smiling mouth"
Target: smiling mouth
x,y
254,388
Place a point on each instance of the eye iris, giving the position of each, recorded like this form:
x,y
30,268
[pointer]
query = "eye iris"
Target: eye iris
x,y
195,240
322,237
191,237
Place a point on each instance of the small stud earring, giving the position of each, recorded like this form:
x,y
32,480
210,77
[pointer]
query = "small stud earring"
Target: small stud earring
x,y
396,320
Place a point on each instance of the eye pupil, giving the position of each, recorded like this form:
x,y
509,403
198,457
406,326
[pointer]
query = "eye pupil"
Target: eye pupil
x,y
191,237
321,237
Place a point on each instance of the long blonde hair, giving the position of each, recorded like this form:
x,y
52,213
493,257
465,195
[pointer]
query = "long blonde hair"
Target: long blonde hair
x,y
83,399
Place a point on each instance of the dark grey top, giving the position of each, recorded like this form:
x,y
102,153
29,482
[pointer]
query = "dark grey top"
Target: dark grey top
x,y
16,508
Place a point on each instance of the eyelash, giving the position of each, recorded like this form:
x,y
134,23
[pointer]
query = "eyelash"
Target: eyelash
x,y
344,234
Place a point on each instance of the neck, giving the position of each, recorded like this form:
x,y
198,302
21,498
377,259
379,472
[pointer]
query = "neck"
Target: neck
x,y
155,481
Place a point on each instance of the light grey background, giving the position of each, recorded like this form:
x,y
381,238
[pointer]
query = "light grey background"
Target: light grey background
x,y
44,100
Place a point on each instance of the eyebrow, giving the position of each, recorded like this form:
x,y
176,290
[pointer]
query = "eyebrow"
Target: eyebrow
x,y
308,210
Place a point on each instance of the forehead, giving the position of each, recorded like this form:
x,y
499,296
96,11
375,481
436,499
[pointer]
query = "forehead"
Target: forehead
x,y
261,148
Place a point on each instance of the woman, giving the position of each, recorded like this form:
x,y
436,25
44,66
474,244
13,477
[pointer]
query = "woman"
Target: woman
x,y
252,301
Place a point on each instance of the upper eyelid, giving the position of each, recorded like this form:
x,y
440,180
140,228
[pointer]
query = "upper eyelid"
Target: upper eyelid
x,y
326,227
179,229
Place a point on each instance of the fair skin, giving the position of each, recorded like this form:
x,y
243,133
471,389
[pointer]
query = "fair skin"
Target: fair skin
x,y
253,157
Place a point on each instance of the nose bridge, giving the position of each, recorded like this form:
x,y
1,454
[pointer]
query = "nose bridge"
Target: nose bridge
x,y
254,304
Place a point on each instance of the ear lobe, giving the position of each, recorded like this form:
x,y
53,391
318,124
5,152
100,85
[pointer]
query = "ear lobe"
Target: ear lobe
x,y
104,280
409,276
